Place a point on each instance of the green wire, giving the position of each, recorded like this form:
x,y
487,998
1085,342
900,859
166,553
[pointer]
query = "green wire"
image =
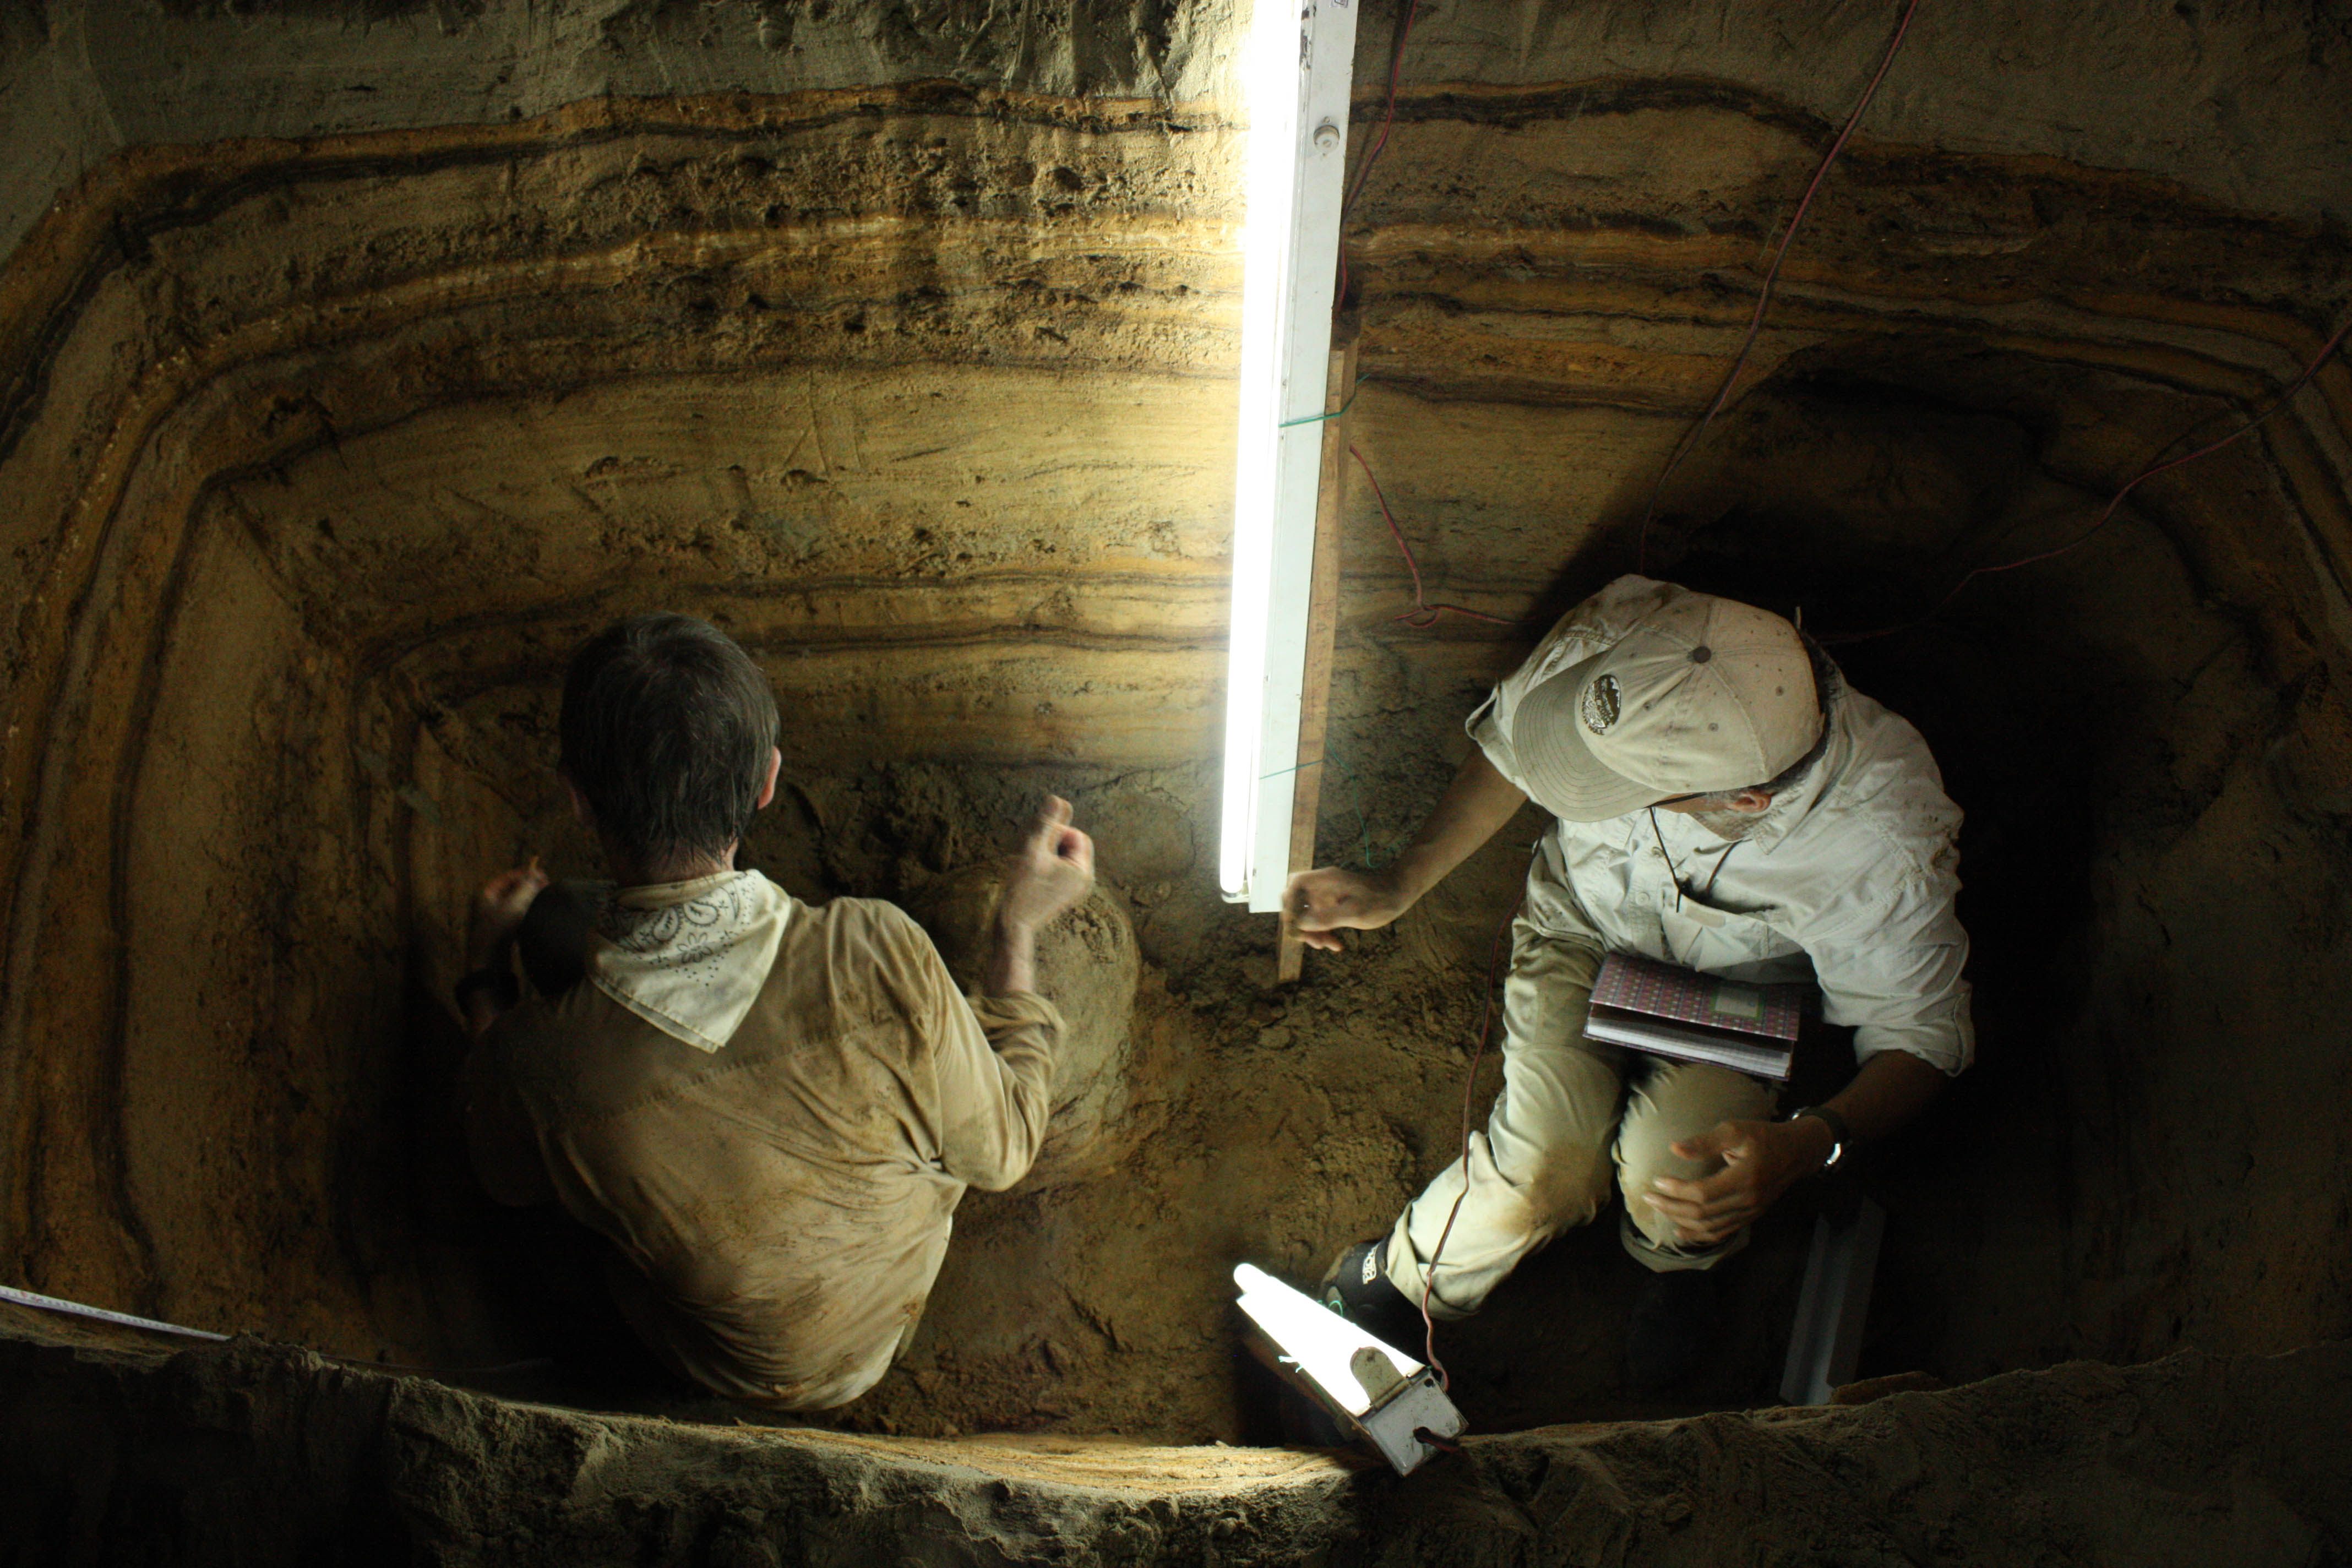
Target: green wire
x,y
1355,793
1319,418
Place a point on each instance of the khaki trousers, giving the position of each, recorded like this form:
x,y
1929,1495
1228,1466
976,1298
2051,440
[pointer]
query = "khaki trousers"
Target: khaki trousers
x,y
1567,1114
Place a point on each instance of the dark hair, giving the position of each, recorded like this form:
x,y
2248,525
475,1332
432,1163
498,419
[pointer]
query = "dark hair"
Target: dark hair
x,y
1829,685
666,728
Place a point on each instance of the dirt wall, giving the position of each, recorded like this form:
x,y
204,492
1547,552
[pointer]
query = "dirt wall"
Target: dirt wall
x,y
330,433
256,1455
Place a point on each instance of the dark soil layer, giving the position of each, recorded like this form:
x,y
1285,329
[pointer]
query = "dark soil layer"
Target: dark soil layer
x,y
258,1455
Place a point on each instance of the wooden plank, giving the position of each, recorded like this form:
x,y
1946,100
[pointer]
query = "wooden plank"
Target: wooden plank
x,y
1322,632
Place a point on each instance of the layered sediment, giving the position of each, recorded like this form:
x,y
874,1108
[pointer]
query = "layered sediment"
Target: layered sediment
x,y
907,358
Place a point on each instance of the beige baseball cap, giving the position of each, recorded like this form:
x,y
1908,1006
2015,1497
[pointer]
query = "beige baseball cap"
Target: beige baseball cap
x,y
1701,695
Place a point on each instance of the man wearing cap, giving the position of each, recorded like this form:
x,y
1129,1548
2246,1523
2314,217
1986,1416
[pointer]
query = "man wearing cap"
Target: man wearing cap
x,y
1724,803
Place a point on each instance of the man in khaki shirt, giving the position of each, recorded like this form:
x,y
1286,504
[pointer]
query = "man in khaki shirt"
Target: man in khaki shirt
x,y
1721,802
769,1109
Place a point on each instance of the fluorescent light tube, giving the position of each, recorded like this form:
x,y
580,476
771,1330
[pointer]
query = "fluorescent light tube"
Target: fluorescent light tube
x,y
1296,71
1317,1339
1391,1400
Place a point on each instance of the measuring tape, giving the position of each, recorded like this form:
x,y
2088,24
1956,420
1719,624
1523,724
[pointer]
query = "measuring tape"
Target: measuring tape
x,y
77,1310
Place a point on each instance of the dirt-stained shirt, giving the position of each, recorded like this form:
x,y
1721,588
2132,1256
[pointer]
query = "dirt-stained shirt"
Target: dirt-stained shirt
x,y
1848,879
784,1200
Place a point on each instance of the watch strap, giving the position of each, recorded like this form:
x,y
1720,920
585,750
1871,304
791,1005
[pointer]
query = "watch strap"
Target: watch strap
x,y
1841,1134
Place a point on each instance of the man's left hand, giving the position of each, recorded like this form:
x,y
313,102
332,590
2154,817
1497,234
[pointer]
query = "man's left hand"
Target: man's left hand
x,y
1761,1160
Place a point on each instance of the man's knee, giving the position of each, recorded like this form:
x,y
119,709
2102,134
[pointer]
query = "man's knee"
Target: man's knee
x,y
1512,1204
1545,1150
1566,1190
1680,1100
1638,1167
1550,1132
1497,1223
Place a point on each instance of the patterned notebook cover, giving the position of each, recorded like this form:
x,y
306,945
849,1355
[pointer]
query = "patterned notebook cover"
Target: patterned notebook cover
x,y
1665,990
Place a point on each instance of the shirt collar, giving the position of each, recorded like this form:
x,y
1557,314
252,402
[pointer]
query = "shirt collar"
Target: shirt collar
x,y
1789,808
662,894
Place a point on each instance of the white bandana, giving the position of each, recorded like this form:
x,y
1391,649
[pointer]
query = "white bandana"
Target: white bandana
x,y
689,958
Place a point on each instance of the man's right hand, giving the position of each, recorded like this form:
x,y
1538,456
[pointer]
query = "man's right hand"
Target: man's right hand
x,y
1052,871
498,914
1318,905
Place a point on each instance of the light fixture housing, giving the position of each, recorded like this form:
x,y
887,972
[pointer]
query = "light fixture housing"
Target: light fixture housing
x,y
1389,1399
1297,73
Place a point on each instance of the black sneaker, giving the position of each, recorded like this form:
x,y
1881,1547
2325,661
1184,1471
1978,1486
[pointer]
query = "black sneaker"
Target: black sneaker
x,y
1357,1287
1673,1324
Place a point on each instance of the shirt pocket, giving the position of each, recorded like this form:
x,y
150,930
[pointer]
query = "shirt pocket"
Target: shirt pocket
x,y
1718,941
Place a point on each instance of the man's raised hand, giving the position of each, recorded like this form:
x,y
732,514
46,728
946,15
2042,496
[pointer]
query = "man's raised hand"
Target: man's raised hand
x,y
498,914
1318,905
1052,870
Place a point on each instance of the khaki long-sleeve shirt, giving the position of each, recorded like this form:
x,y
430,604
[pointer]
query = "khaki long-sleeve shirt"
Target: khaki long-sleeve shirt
x,y
1849,879
784,1202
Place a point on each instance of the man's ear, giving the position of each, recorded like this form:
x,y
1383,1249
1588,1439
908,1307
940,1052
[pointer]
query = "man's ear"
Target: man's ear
x,y
767,790
1750,800
581,812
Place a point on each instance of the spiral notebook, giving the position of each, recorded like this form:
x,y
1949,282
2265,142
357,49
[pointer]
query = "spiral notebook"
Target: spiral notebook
x,y
1645,1006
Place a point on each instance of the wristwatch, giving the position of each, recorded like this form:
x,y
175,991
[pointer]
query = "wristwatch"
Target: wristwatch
x,y
1840,1134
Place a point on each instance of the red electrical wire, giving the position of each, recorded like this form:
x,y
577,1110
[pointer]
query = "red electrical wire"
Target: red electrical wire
x,y
1388,117
1379,144
1684,447
2109,512
1469,1098
1423,613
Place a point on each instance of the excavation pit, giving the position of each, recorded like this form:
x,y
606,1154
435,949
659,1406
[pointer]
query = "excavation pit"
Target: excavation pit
x,y
327,451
